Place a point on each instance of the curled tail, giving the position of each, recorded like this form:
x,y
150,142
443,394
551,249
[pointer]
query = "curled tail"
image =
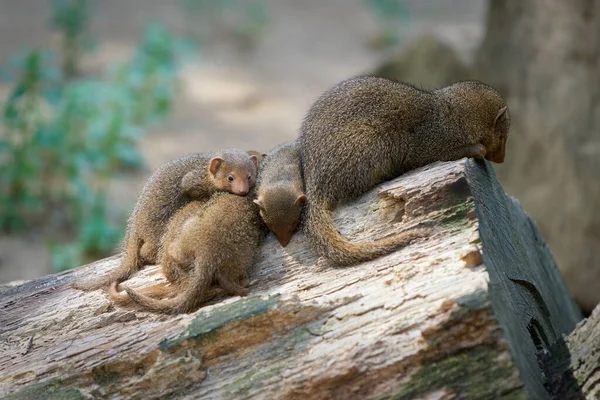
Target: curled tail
x,y
156,291
327,241
130,264
193,291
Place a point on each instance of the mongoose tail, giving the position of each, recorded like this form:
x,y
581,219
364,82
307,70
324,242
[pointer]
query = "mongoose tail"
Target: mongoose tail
x,y
194,291
130,264
155,291
328,242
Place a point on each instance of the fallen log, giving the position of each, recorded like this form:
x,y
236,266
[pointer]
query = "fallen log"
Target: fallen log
x,y
463,313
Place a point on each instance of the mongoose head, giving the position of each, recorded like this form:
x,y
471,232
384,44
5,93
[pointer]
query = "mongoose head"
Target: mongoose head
x,y
234,172
280,209
492,119
483,114
495,139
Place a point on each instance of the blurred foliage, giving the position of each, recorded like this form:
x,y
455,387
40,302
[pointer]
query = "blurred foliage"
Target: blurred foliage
x,y
150,79
71,19
63,141
244,20
390,14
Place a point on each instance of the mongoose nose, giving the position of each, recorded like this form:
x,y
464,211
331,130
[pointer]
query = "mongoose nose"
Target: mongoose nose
x,y
496,156
283,239
241,191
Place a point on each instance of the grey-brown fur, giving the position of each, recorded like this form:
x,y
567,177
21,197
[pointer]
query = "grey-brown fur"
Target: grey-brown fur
x,y
170,187
206,244
366,130
280,191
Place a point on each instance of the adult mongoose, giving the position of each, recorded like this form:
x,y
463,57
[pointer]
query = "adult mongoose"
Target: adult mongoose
x,y
206,244
366,129
280,191
196,176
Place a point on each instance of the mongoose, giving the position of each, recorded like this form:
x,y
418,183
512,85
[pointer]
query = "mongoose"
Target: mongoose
x,y
366,130
174,268
195,176
205,244
280,191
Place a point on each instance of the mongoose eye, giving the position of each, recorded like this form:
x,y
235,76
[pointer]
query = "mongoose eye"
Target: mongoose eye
x,y
249,177
230,178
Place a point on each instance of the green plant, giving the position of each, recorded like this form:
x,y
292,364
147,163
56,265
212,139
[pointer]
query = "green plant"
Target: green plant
x,y
71,18
63,143
150,78
389,14
24,117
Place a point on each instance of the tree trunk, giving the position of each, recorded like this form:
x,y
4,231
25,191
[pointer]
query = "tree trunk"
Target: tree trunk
x,y
584,349
461,314
544,55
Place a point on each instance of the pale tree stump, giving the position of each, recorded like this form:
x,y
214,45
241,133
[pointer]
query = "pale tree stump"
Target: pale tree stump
x,y
433,320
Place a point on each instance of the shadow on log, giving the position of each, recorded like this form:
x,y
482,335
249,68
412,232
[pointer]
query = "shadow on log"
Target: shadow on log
x,y
463,313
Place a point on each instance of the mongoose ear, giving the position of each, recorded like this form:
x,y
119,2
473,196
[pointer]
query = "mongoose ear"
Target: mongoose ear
x,y
214,165
254,160
501,112
300,200
259,203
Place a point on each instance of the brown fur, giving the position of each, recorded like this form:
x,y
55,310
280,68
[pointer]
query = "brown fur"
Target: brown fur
x,y
174,184
366,130
206,244
280,191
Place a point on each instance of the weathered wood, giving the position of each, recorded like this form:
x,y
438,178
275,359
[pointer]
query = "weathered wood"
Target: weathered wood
x,y
421,322
584,349
572,366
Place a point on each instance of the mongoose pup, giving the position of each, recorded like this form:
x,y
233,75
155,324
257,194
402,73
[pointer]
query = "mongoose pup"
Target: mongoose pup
x,y
366,130
280,191
206,244
174,267
195,176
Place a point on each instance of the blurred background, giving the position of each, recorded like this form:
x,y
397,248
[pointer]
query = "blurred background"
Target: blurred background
x,y
94,95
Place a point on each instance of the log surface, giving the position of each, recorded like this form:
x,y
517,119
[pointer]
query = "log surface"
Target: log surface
x,y
428,321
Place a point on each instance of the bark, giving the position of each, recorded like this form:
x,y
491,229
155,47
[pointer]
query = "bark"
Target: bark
x,y
461,314
544,55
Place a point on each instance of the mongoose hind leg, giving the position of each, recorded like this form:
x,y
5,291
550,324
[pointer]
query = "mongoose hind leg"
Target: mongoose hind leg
x,y
245,282
148,252
229,286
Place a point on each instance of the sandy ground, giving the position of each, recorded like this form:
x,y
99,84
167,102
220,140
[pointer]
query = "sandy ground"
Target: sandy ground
x,y
229,98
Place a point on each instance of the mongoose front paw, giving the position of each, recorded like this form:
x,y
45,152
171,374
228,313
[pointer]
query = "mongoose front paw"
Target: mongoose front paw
x,y
477,151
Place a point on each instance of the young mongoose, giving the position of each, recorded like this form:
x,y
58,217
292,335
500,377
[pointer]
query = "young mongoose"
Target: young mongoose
x,y
174,267
195,176
205,244
280,191
366,130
